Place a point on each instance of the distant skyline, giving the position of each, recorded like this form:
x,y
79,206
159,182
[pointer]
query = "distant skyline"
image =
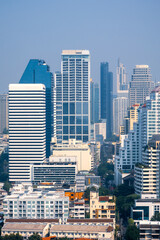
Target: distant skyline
x,y
40,29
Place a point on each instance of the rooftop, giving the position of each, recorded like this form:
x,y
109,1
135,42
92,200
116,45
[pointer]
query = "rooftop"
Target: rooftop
x,y
23,226
75,52
80,228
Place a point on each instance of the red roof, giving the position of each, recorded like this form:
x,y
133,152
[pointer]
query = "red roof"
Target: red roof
x,y
103,198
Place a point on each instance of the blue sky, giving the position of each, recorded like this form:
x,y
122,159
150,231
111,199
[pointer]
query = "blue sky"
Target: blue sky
x,y
129,29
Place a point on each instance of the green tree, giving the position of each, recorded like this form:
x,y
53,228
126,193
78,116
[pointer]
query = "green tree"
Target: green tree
x,y
35,236
103,191
12,237
87,192
156,217
7,186
132,232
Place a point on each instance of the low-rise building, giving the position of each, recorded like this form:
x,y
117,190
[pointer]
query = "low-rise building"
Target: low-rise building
x,y
69,149
36,204
25,229
145,209
82,231
77,209
102,206
59,174
85,179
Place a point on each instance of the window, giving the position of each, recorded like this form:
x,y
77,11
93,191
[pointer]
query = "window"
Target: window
x,y
72,108
78,108
65,130
65,108
78,130
72,120
65,120
85,108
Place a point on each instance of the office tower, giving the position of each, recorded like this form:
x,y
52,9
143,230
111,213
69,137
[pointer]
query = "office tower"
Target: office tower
x,y
141,84
3,112
96,103
27,129
92,100
94,92
120,105
73,96
38,72
122,83
106,91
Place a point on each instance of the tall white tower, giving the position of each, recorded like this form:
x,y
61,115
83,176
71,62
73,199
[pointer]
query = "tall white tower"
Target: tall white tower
x,y
27,129
73,96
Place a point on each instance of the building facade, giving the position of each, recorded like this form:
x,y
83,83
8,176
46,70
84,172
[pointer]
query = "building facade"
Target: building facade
x,y
106,92
36,205
27,129
120,105
3,112
37,71
101,206
141,84
122,82
73,96
76,151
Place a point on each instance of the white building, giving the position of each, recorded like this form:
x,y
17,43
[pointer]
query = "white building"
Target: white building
x,y
141,84
147,175
27,129
73,96
122,82
145,209
29,204
73,150
100,129
120,105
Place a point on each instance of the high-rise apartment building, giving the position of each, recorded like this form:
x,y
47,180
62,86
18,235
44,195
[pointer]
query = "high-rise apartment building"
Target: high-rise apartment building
x,y
122,83
27,129
120,105
73,96
141,84
37,71
106,91
3,112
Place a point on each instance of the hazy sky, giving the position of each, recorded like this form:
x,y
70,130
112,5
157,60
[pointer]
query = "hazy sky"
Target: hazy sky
x,y
129,29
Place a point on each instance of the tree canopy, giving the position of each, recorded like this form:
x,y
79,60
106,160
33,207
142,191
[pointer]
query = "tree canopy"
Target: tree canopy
x,y
35,236
132,232
156,217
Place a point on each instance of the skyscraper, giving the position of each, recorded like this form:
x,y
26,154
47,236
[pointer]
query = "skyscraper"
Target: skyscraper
x,y
141,84
3,112
38,72
96,103
106,91
73,96
120,105
122,83
27,129
92,100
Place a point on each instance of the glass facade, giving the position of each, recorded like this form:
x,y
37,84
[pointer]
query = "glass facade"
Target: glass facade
x,y
73,96
38,72
106,92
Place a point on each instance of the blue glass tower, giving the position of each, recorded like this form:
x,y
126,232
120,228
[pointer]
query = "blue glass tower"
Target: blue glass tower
x,y
38,72
96,103
106,82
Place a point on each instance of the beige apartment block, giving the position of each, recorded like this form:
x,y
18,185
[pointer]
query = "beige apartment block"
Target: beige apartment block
x,y
102,206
